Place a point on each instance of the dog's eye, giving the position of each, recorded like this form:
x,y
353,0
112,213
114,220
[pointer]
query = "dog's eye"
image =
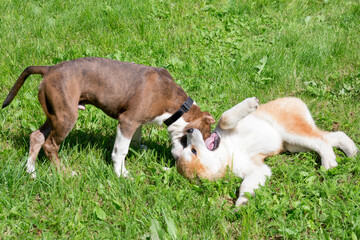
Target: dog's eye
x,y
193,150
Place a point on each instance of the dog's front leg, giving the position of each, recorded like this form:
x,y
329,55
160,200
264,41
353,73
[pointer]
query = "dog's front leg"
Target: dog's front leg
x,y
121,148
231,117
252,181
136,138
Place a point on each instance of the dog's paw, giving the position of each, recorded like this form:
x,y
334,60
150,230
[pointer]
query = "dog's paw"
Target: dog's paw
x,y
252,103
354,152
350,148
125,174
241,201
31,168
329,164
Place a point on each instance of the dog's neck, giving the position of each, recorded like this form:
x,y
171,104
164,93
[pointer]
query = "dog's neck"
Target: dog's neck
x,y
177,129
184,108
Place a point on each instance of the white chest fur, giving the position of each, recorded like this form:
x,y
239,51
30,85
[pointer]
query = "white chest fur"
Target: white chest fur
x,y
255,134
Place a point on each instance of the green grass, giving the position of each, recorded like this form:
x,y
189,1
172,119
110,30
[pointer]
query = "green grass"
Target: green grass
x,y
220,52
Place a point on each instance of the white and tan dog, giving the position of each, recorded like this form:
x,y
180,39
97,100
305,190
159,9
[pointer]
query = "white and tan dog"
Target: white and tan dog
x,y
248,133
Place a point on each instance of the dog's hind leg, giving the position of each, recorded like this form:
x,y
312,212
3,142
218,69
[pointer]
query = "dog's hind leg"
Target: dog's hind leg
x,y
52,144
231,117
61,124
298,143
341,140
60,104
299,132
37,139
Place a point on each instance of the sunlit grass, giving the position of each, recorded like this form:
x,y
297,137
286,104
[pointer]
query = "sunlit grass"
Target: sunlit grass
x,y
220,52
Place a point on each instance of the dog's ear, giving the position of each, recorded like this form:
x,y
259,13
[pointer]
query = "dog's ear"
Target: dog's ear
x,y
209,119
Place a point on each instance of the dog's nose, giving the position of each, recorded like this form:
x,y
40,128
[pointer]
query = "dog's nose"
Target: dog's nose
x,y
190,130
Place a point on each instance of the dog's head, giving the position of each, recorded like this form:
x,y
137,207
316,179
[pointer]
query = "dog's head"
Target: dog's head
x,y
195,119
202,159
202,123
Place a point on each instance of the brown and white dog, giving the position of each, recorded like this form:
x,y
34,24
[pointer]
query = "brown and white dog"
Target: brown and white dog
x,y
247,134
131,93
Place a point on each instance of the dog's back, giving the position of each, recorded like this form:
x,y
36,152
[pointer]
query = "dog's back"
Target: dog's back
x,y
291,114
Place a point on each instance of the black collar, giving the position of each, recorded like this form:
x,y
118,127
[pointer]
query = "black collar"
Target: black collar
x,y
184,108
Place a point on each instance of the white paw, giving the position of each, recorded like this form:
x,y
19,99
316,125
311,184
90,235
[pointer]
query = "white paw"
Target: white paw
x,y
330,164
124,174
241,201
253,103
31,169
333,164
353,151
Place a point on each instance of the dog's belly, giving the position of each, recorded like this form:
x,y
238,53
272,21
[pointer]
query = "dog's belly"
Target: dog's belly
x,y
252,136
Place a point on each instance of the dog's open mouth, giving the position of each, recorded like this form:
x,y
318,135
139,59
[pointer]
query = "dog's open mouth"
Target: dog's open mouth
x,y
212,143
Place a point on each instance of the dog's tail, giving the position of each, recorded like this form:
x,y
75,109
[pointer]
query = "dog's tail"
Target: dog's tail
x,y
20,81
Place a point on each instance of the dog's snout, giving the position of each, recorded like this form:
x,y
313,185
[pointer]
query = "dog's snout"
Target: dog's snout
x,y
190,130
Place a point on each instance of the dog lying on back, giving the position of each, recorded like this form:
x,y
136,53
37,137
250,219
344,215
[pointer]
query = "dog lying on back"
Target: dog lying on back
x,y
248,133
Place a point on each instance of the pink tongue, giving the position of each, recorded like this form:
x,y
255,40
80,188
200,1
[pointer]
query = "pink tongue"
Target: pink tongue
x,y
209,142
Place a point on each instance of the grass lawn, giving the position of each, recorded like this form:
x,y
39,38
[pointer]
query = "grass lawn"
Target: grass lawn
x,y
220,52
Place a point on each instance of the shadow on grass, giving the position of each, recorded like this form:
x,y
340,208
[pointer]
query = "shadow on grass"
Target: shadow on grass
x,y
297,159
94,139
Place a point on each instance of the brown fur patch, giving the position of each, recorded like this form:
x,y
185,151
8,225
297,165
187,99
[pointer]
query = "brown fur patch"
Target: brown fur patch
x,y
199,120
259,158
195,169
37,139
289,113
190,169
